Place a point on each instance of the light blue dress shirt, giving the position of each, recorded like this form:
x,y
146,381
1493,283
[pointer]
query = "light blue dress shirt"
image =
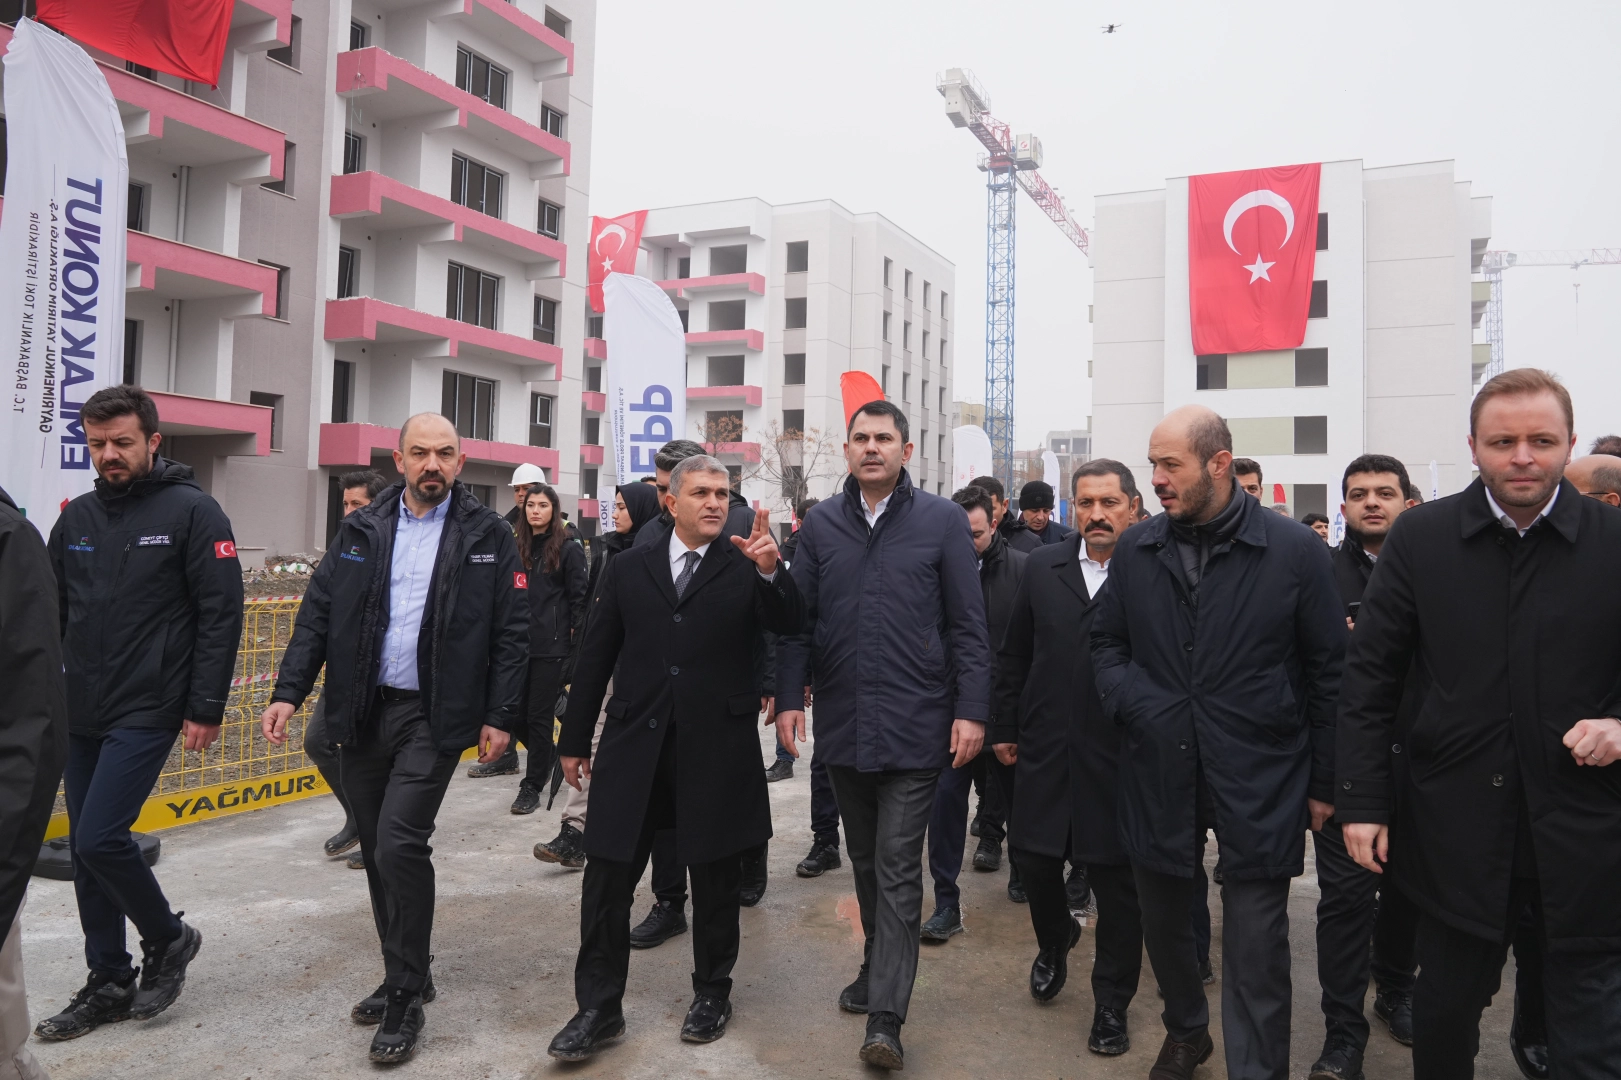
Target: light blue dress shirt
x,y
416,544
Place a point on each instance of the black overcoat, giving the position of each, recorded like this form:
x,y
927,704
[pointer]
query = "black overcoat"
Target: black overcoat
x,y
1065,786
1519,638
687,662
1246,688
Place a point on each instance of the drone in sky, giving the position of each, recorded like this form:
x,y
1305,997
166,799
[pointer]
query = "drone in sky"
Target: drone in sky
x,y
1112,27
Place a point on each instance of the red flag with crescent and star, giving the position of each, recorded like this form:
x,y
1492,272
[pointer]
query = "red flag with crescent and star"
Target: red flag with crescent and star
x,y
1252,248
614,242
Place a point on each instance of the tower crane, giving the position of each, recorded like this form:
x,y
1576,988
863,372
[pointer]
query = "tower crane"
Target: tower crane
x,y
1493,263
1008,160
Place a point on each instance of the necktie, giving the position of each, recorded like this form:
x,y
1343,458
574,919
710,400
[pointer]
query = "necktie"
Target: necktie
x,y
684,578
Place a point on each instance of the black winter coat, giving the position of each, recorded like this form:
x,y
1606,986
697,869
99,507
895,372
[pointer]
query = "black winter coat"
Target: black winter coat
x,y
473,649
150,592
1246,689
1018,535
1054,533
33,711
896,626
1066,776
1000,570
689,662
1519,639
556,602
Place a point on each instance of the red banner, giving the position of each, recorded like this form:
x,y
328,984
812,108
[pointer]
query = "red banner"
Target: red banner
x,y
178,37
614,242
1252,246
857,388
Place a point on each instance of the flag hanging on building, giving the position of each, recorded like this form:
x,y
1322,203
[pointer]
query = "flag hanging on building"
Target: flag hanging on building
x,y
1252,248
646,379
61,265
179,37
614,243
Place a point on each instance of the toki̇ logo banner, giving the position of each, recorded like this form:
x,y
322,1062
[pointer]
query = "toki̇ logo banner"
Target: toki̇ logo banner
x,y
614,243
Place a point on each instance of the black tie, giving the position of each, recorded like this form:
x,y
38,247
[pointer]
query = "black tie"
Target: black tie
x,y
683,579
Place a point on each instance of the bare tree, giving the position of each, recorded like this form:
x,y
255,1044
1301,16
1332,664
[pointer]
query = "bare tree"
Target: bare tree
x,y
791,461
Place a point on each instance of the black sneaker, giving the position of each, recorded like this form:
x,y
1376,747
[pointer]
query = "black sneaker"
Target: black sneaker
x,y
988,857
370,1010
342,840
752,890
973,826
853,998
883,1045
1015,890
1395,1008
356,860
505,765
943,925
822,858
163,972
664,922
396,1039
567,848
1340,1060
101,1000
780,770
528,800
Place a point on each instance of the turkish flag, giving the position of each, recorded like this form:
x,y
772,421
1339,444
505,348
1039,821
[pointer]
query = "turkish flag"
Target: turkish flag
x,y
178,37
1252,246
614,242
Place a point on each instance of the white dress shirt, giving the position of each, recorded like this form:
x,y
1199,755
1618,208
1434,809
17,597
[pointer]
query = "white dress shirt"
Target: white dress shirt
x,y
1508,522
873,513
1095,573
678,557
416,546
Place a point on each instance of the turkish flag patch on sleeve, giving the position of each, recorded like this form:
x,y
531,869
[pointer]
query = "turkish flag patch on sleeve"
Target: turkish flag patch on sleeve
x,y
520,580
224,549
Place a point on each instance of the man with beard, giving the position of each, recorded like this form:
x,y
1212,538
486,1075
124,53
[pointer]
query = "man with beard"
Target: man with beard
x,y
150,594
1504,596
419,614
1217,646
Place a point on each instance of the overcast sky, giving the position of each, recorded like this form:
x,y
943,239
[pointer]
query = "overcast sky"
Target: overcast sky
x,y
719,99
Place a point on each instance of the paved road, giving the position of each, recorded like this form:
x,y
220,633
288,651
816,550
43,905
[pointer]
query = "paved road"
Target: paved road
x,y
289,946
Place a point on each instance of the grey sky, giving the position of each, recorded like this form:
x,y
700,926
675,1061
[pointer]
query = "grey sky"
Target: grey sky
x,y
720,99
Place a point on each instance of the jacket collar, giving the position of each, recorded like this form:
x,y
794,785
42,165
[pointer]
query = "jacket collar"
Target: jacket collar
x,y
1069,567
902,493
1156,531
1565,517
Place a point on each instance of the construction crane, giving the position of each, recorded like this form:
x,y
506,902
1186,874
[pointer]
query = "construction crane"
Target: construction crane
x,y
1008,160
1493,263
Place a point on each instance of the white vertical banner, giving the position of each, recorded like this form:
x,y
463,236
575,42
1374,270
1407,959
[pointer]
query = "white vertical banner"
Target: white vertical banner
x,y
1049,471
61,264
970,455
646,379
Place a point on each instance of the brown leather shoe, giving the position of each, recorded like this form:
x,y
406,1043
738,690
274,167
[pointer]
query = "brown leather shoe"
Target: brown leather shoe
x,y
1178,1060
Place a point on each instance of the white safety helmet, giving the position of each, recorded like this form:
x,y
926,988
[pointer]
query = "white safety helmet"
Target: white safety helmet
x,y
528,473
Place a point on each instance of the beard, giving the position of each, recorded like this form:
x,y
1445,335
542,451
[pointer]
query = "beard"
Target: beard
x,y
424,497
1195,501
1507,497
138,470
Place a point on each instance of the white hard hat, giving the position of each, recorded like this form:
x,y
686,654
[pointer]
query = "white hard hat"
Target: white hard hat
x,y
528,473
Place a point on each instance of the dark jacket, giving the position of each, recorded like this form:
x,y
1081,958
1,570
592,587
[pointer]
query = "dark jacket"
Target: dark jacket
x,y
1018,535
1064,794
1242,686
1054,533
895,630
1000,569
33,711
789,547
556,601
473,649
689,662
1519,639
150,592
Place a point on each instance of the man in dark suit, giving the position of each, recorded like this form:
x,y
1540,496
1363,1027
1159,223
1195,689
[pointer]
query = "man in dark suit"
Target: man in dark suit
x,y
1050,726
678,749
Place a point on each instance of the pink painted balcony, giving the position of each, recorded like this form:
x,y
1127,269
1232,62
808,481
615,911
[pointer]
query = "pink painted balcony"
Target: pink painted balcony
x,y
590,510
748,451
748,395
684,287
362,318
749,340
596,348
593,401
241,430
392,204
256,23
590,454
389,88
551,54
355,444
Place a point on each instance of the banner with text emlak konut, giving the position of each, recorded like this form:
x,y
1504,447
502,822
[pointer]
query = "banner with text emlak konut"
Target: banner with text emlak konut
x,y
646,380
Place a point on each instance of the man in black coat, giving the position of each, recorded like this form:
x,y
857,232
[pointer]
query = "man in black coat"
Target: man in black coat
x,y
1217,646
150,593
1050,725
679,749
418,612
1505,594
1010,525
1038,507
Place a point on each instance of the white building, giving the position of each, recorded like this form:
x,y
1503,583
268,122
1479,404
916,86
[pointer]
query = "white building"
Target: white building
x,y
1390,358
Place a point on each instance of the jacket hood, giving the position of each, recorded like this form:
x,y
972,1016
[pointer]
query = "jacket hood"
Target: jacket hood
x,y
163,472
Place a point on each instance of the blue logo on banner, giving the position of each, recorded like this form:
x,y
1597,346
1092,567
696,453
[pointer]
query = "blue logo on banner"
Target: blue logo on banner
x,y
658,428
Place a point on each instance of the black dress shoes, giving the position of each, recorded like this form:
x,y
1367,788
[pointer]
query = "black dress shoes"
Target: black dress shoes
x,y
706,1019
584,1035
988,856
342,840
664,922
1108,1032
1051,969
1178,1060
942,925
371,1010
752,890
1530,1048
396,1038
822,858
853,998
883,1045
1341,1059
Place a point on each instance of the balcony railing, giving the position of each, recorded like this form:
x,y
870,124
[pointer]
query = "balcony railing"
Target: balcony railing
x,y
363,318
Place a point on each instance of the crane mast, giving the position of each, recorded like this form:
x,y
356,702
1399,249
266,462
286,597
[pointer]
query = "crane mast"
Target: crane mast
x,y
1492,265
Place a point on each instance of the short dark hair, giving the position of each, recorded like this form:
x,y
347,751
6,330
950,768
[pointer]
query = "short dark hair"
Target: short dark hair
x,y
1413,494
973,496
990,484
370,479
1517,382
1209,436
1607,444
1313,518
882,408
111,402
804,508
1243,466
1383,464
675,452
1106,467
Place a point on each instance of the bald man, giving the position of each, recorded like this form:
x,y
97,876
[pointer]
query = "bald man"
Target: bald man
x,y
1217,647
1598,476
419,615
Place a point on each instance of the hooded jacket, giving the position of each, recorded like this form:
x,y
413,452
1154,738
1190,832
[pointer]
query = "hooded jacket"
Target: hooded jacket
x,y
150,592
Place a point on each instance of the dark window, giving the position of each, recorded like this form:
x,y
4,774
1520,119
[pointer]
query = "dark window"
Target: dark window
x,y
942,405
546,320
551,121
683,267
1311,499
549,220
1322,235
137,207
906,335
591,431
281,288
684,313
556,24
285,184
887,266
1311,434
883,379
798,256
732,259
588,483
725,371
793,369
142,70
944,314
540,419
334,502
343,391
723,426
1211,372
906,386
288,53
469,403
886,326
940,447
348,272
795,313
359,34
273,403
726,314
354,153
470,296
593,325
1319,301
132,349
481,78
926,288
1311,367
906,289
475,186
593,379
793,422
